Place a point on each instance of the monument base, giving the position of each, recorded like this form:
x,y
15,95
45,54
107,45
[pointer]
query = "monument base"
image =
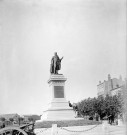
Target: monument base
x,y
58,110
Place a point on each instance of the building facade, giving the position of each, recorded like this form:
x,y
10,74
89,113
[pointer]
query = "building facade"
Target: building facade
x,y
111,86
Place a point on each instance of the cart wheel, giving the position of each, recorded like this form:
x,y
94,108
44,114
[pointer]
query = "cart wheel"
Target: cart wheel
x,y
12,131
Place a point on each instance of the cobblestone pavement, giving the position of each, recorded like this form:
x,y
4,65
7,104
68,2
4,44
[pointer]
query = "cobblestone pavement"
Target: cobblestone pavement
x,y
85,130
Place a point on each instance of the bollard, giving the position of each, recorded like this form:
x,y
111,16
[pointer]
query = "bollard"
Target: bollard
x,y
105,127
120,122
54,129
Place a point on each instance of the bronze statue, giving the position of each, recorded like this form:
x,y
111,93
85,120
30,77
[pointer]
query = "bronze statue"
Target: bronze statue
x,y
55,64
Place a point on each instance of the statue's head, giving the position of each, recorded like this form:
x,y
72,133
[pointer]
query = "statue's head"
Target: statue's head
x,y
55,53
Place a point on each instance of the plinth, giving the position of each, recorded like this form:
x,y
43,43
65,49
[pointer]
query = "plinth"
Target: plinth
x,y
59,108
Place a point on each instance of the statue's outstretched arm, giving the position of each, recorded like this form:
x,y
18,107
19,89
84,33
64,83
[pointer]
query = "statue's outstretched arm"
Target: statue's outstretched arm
x,y
61,58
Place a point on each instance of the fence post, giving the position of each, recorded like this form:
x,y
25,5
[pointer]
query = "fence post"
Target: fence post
x,y
120,122
105,127
54,129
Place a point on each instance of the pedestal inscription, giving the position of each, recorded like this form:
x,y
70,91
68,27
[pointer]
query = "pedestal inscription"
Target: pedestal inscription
x,y
58,92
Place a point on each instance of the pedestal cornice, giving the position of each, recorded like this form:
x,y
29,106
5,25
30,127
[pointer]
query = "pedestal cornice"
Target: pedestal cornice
x,y
57,78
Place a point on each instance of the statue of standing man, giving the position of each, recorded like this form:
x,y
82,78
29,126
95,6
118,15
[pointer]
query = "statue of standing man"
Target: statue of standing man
x,y
55,64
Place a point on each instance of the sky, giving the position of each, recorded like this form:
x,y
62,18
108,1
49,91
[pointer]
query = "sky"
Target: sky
x,y
89,34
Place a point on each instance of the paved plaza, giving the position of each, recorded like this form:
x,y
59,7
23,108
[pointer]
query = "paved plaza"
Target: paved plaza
x,y
84,130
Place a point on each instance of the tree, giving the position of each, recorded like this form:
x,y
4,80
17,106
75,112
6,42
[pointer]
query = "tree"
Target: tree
x,y
30,119
11,119
2,119
86,107
20,119
102,106
35,117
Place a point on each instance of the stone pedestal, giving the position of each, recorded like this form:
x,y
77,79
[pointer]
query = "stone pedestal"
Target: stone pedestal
x,y
59,108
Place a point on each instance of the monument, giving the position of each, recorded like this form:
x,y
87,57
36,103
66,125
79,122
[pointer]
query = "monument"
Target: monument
x,y
59,108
